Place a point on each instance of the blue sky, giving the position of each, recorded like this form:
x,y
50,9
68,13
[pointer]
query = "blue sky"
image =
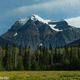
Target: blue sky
x,y
12,10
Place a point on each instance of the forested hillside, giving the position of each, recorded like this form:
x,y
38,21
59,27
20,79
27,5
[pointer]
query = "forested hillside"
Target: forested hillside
x,y
18,58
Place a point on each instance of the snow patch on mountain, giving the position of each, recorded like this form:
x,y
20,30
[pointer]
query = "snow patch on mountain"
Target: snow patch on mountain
x,y
23,21
56,29
15,34
74,21
41,44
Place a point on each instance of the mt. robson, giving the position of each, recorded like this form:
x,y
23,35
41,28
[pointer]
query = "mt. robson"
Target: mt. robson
x,y
36,31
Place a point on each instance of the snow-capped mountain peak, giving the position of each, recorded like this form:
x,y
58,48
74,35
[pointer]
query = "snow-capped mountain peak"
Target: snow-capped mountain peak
x,y
53,26
45,21
36,17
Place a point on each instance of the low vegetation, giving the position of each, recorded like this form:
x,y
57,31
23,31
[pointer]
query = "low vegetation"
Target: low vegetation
x,y
40,75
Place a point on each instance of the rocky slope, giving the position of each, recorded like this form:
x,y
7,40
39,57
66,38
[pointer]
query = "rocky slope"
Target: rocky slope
x,y
36,31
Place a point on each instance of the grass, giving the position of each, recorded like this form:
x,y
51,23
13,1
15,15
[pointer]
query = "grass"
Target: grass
x,y
40,75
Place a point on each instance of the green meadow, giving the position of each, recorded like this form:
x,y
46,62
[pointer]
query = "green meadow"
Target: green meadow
x,y
40,75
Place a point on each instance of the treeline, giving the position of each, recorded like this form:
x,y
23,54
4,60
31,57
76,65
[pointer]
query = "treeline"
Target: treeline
x,y
18,58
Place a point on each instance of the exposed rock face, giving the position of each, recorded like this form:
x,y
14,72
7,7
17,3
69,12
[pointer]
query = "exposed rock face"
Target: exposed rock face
x,y
36,31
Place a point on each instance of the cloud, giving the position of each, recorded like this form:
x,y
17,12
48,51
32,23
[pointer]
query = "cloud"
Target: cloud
x,y
58,8
37,0
30,8
74,21
52,5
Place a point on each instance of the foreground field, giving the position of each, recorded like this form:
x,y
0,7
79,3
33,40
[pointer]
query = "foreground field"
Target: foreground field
x,y
40,75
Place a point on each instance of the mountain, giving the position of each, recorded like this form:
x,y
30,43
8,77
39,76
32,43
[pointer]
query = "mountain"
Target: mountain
x,y
75,43
36,31
4,43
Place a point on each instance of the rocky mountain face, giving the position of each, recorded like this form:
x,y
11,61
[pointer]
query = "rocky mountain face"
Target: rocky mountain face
x,y
75,43
36,31
5,43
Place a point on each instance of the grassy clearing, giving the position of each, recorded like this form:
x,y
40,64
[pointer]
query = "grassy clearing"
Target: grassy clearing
x,y
40,75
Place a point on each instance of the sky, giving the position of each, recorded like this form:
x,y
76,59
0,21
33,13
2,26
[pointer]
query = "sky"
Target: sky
x,y
12,10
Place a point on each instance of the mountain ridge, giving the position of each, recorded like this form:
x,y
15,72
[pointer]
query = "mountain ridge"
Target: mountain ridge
x,y
36,30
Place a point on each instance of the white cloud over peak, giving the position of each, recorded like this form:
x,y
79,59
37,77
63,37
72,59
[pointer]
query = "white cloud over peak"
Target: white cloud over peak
x,y
74,21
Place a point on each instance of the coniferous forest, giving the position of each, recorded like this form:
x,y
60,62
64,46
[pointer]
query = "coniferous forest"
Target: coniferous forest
x,y
18,58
